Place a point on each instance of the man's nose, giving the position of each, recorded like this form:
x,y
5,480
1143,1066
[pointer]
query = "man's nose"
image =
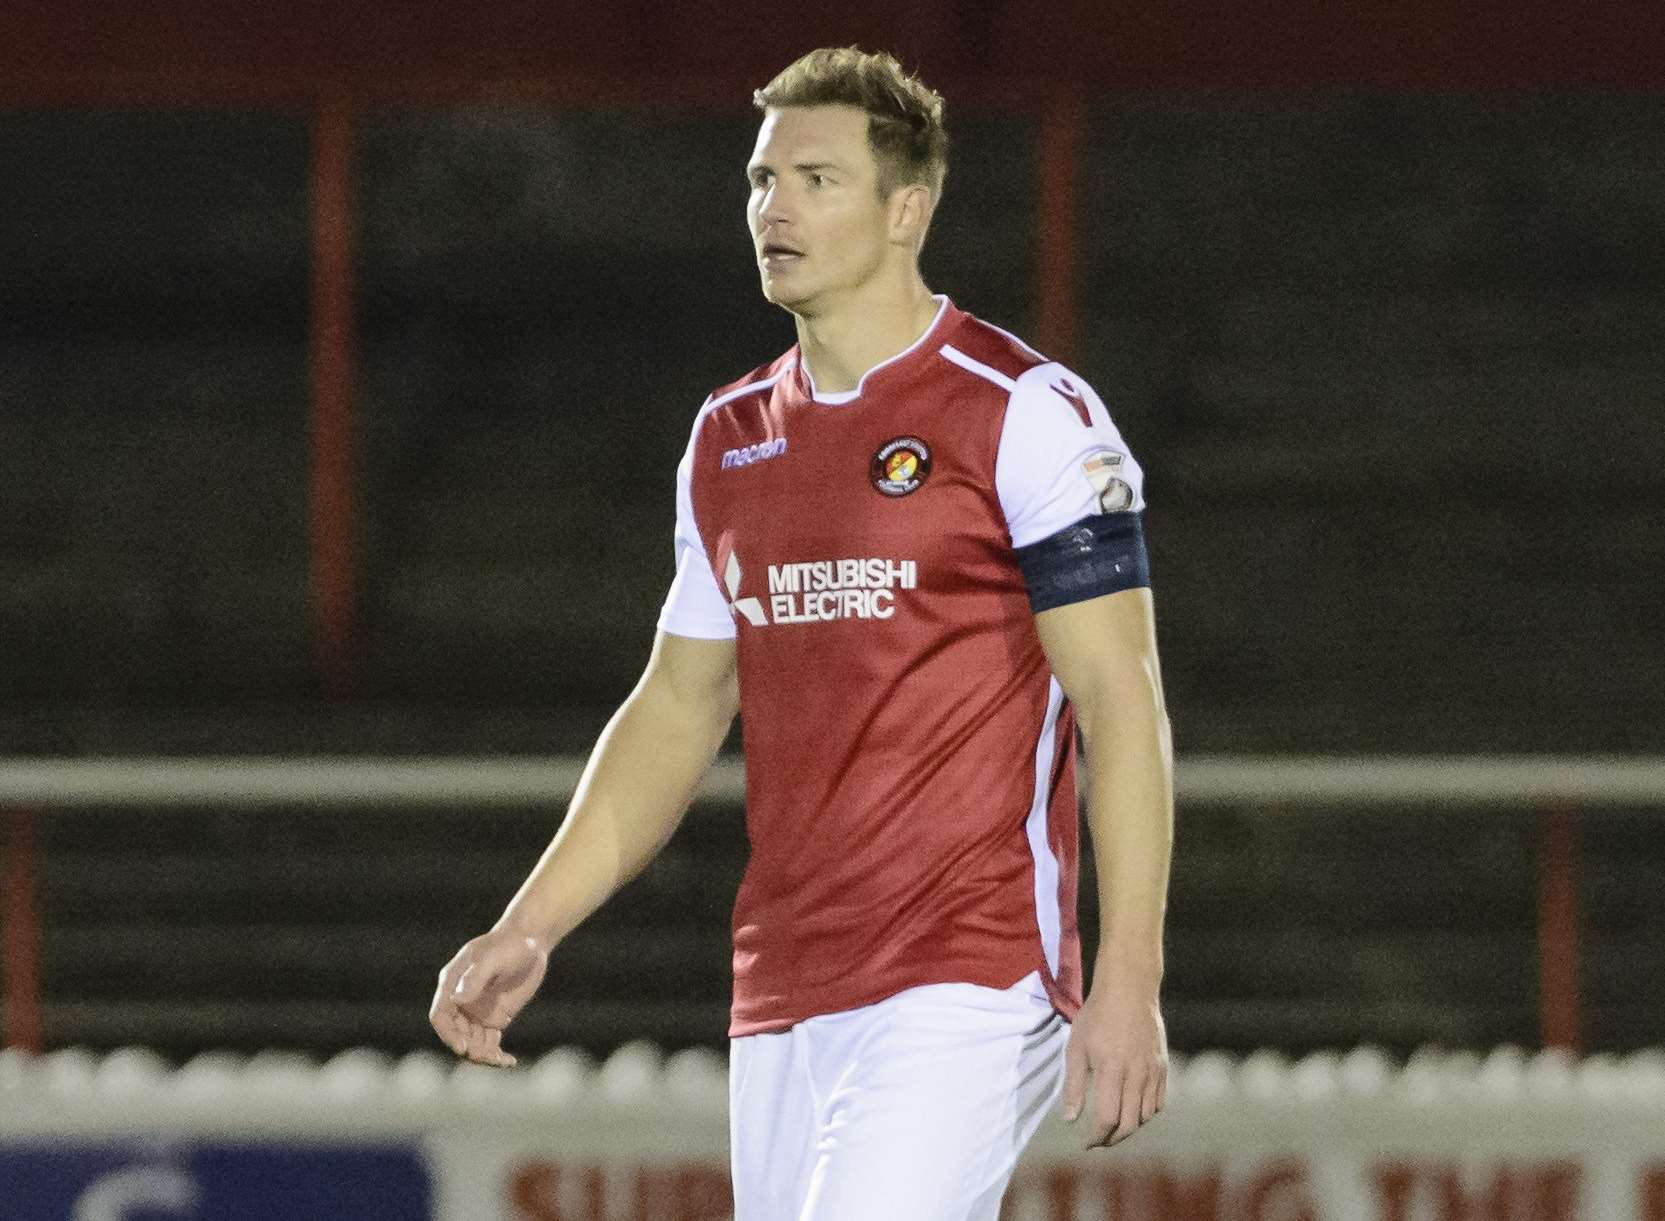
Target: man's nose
x,y
775,205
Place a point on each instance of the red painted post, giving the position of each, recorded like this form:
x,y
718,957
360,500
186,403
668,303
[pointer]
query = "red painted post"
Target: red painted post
x,y
1558,961
332,348
1057,222
20,934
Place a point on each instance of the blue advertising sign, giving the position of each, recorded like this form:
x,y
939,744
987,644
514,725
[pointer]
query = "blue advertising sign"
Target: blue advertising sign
x,y
191,1181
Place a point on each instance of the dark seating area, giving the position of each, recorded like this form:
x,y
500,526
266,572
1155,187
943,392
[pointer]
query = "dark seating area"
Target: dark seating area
x,y
1391,361
325,930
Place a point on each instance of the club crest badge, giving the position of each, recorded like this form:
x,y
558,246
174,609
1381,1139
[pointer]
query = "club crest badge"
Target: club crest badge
x,y
901,466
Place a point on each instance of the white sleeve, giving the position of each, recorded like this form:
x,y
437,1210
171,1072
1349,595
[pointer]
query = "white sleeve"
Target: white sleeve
x,y
1061,458
694,606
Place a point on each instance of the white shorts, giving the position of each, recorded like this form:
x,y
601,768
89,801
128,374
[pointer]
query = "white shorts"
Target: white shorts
x,y
914,1109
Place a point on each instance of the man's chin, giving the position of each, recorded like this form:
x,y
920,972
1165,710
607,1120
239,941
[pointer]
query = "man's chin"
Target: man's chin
x,y
787,297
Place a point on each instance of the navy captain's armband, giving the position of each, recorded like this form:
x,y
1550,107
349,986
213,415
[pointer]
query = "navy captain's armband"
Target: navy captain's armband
x,y
1101,554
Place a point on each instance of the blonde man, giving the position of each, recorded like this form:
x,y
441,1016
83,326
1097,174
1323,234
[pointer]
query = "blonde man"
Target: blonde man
x,y
910,556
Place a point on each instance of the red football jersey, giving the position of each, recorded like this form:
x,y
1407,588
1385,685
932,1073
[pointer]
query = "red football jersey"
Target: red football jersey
x,y
910,760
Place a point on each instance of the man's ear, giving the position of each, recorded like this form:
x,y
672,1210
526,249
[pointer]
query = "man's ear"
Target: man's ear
x,y
910,213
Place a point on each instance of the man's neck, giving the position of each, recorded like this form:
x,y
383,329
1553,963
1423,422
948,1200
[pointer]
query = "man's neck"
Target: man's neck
x,y
838,346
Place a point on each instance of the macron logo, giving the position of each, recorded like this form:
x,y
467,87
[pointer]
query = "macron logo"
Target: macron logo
x,y
1072,396
748,454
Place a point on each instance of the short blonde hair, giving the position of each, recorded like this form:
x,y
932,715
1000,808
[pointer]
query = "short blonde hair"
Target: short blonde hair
x,y
904,115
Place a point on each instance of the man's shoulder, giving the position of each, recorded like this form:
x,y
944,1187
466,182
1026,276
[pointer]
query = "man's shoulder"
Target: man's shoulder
x,y
759,379
991,353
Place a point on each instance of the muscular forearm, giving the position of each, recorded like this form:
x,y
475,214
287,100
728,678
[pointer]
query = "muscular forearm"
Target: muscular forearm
x,y
645,769
1129,755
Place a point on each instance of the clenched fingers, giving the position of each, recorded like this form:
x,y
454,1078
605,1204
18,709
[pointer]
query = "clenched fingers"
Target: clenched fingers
x,y
463,1034
1151,1103
1128,1120
1075,1078
1107,1104
485,1045
1143,1094
1125,1098
447,1019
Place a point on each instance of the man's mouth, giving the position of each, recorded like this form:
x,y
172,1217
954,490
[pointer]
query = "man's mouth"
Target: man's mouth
x,y
778,253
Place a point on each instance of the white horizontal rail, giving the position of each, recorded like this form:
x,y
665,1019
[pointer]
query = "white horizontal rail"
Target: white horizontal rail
x,y
1470,780
640,1072
530,781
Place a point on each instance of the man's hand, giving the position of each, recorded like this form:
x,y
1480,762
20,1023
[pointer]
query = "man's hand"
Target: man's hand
x,y
481,990
1120,1043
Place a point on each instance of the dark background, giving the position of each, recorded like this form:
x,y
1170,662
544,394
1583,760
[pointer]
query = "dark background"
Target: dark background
x,y
1376,301
1376,298
1393,362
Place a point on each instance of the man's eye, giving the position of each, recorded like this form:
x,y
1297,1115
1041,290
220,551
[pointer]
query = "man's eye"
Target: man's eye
x,y
817,180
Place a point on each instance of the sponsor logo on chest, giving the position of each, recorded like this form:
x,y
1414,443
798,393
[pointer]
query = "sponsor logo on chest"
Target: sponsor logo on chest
x,y
818,591
822,591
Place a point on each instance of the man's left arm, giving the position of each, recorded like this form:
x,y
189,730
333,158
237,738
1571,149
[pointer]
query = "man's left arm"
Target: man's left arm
x,y
1103,653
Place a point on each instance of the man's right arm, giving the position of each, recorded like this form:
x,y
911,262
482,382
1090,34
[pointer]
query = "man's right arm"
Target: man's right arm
x,y
645,770
641,777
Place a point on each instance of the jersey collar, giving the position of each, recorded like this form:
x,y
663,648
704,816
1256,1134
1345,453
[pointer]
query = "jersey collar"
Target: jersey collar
x,y
935,335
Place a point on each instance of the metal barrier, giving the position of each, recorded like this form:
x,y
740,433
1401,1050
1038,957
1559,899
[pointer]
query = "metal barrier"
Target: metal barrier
x,y
1550,789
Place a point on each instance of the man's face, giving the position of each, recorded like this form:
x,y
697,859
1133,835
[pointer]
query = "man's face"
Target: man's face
x,y
816,221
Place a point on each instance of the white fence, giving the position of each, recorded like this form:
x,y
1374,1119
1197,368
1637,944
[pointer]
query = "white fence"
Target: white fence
x,y
1510,1137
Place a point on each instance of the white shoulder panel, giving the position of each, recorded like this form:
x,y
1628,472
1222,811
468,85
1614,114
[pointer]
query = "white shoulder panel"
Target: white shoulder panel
x,y
1061,458
694,606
